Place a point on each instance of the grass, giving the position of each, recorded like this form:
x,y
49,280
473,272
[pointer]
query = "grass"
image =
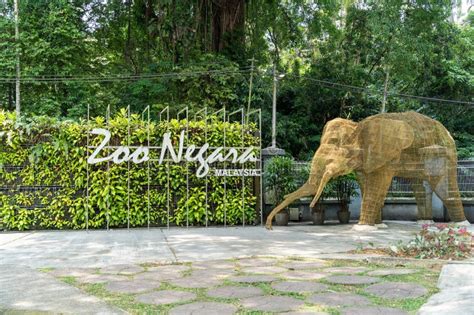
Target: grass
x,y
426,276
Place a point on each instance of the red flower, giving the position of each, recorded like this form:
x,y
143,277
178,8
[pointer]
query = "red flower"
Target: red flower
x,y
441,226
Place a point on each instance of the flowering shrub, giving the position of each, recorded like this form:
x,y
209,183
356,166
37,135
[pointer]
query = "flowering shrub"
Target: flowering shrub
x,y
442,241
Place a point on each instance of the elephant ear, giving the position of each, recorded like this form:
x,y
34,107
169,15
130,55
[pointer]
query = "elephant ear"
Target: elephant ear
x,y
382,140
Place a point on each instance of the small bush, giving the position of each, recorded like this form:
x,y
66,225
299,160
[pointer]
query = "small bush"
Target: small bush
x,y
441,241
280,177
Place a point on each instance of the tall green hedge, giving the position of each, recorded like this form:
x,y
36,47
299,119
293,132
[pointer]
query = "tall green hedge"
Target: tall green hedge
x,y
43,176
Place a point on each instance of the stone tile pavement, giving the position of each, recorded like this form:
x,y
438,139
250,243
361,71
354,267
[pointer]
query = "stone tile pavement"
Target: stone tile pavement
x,y
204,289
184,271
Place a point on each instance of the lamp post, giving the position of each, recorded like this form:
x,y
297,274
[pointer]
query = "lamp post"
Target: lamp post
x,y
272,151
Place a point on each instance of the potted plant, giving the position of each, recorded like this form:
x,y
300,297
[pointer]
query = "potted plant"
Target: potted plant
x,y
319,211
340,189
344,188
280,180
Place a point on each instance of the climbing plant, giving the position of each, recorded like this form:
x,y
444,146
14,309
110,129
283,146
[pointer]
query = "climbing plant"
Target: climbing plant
x,y
44,182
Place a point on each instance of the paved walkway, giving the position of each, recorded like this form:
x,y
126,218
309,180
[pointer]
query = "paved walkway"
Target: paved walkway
x,y
24,289
98,248
269,285
456,283
113,258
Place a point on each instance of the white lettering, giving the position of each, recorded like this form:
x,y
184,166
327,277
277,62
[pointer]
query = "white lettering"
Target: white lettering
x,y
99,131
237,172
136,155
167,145
141,154
125,151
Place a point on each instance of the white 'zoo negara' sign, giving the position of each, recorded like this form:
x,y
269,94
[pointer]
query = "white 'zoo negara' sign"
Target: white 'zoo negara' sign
x,y
191,153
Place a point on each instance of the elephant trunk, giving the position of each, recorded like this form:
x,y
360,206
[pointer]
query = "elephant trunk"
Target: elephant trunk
x,y
318,178
320,183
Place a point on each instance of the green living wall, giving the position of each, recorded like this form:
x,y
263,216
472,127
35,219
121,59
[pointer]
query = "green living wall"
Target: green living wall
x,y
43,176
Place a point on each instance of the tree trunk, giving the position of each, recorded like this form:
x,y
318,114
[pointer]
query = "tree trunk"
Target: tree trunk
x,y
228,18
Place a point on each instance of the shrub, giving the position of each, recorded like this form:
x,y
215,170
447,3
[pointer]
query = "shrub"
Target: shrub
x,y
280,177
43,176
442,241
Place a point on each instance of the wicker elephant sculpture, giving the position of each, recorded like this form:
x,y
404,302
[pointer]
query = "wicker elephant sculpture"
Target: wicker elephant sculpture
x,y
407,145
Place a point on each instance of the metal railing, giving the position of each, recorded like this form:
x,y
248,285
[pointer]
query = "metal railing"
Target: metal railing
x,y
401,187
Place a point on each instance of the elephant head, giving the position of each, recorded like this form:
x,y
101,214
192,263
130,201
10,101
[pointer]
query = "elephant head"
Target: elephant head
x,y
337,155
347,146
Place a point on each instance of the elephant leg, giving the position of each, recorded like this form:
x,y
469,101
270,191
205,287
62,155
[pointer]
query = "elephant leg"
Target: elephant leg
x,y
361,182
305,190
376,185
423,199
446,187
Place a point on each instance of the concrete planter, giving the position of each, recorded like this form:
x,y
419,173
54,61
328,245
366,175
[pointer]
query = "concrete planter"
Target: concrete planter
x,y
318,216
394,209
344,216
282,218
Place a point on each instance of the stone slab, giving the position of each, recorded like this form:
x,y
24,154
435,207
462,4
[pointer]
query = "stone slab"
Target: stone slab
x,y
169,268
256,262
456,275
299,265
345,270
456,297
159,275
132,286
27,291
391,272
397,290
215,264
303,275
335,299
306,313
99,278
253,279
271,303
299,286
213,273
450,301
204,308
232,292
194,282
352,280
373,310
165,297
264,270
123,269
72,272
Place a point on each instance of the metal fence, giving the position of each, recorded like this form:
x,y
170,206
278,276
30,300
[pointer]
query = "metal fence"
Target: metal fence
x,y
239,116
401,187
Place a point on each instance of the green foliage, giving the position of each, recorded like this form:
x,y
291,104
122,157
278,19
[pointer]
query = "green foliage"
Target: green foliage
x,y
441,241
43,171
280,177
341,188
412,43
